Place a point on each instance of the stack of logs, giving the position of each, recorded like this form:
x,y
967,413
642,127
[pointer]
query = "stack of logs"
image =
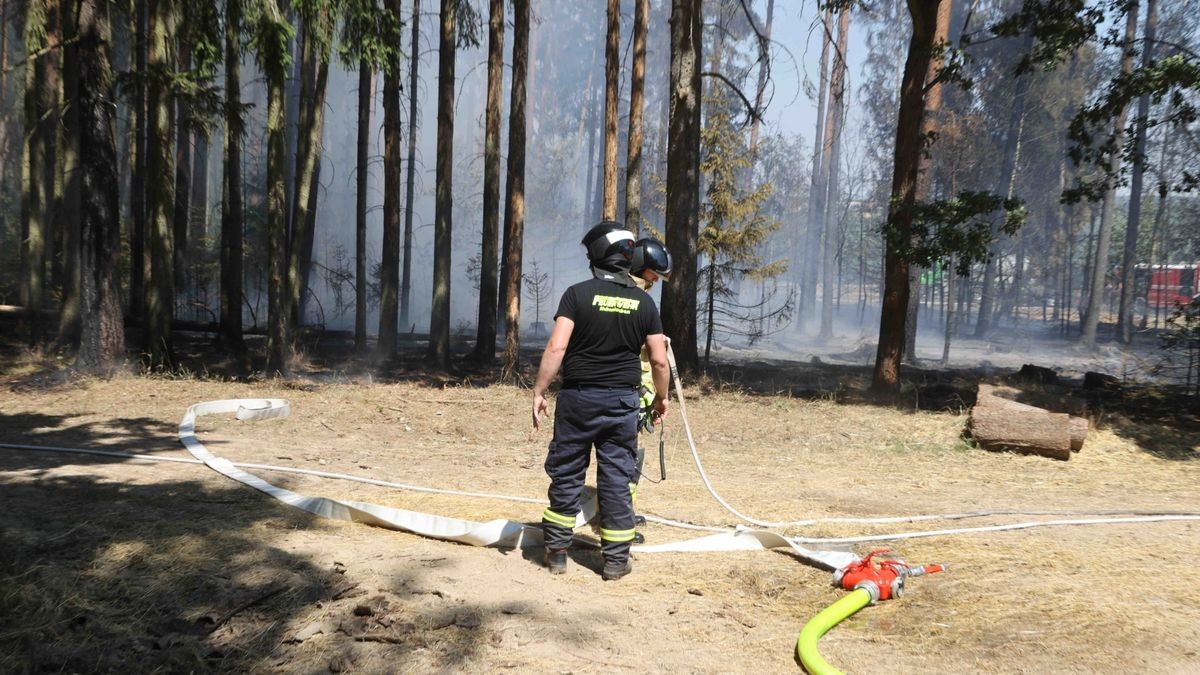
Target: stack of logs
x,y
1001,424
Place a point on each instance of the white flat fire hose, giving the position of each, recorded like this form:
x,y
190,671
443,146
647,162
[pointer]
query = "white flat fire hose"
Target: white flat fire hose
x,y
499,533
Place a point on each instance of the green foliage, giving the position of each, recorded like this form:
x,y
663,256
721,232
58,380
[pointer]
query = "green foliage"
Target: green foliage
x,y
733,231
957,227
1174,79
269,37
1059,28
369,33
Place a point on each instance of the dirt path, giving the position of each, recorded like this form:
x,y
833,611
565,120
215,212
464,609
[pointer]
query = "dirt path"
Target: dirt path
x,y
113,565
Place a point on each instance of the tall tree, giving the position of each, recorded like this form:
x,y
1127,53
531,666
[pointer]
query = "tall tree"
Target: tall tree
x,y
683,179
906,169
389,269
637,96
1005,184
139,260
612,69
271,35
316,40
929,129
232,215
366,95
160,185
764,72
1129,254
832,216
514,197
822,140
439,315
34,198
414,62
485,340
67,188
183,161
1109,204
103,333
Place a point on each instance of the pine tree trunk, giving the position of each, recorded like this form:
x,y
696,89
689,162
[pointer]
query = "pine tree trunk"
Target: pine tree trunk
x,y
612,68
318,31
160,189
366,90
1008,168
1100,262
514,199
199,220
279,348
1129,255
929,126
905,175
683,180
103,333
819,188
413,63
485,339
764,58
637,97
67,178
183,180
389,269
232,215
439,313
139,259
34,197
837,115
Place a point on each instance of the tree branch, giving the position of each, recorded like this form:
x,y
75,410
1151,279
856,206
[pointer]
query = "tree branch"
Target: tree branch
x,y
751,111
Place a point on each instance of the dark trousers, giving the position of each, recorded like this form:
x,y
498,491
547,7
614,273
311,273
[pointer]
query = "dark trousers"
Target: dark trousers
x,y
606,419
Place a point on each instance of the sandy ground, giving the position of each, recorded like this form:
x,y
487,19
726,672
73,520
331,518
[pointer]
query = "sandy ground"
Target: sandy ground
x,y
124,566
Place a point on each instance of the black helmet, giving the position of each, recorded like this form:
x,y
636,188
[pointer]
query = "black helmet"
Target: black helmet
x,y
651,254
609,243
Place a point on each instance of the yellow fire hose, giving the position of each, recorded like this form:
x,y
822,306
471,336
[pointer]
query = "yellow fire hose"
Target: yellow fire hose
x,y
806,644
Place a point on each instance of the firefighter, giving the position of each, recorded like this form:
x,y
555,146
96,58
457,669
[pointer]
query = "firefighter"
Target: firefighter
x,y
600,328
651,262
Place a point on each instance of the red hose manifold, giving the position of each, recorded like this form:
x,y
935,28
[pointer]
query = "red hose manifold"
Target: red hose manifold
x,y
884,580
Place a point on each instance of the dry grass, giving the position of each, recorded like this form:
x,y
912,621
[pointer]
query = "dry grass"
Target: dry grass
x,y
1084,599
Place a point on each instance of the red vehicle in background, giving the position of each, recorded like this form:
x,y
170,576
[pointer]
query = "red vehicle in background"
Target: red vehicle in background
x,y
1166,285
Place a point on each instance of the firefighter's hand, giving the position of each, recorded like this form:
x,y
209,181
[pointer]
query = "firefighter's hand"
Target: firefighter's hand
x,y
660,408
540,407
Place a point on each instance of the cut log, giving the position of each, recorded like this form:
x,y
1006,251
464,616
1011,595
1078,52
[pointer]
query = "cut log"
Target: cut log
x,y
1001,425
1079,431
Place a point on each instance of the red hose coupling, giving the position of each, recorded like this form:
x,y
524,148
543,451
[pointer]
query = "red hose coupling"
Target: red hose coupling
x,y
883,580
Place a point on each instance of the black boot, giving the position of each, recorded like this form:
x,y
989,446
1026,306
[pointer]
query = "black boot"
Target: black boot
x,y
556,561
616,570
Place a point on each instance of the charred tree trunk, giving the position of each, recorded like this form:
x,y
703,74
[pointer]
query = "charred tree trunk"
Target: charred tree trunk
x,y
905,175
439,313
612,68
34,197
232,216
103,333
413,63
160,188
199,220
514,199
366,90
1100,262
637,97
389,268
1129,255
485,338
683,180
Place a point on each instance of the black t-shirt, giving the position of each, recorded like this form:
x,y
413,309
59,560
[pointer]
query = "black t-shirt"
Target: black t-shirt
x,y
612,321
